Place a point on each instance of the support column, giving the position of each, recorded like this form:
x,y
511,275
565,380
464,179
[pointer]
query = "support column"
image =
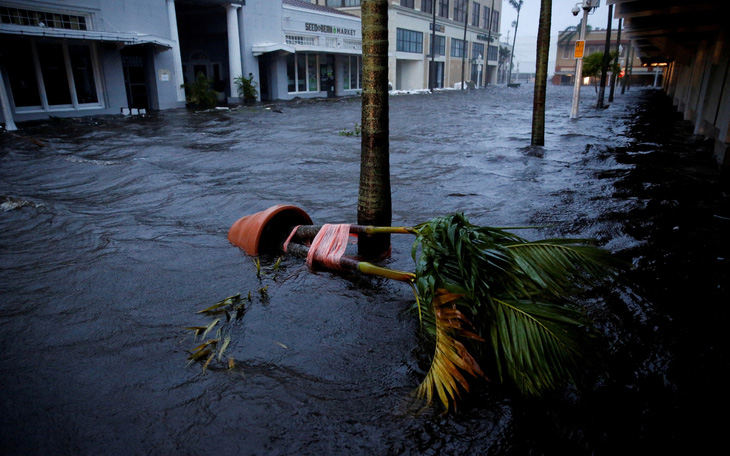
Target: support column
x,y
234,48
176,57
5,102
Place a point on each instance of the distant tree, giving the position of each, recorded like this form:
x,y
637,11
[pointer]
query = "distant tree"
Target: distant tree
x,y
593,65
516,4
504,56
374,200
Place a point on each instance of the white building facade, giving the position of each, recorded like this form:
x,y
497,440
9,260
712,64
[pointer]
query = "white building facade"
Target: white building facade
x,y
411,30
87,57
69,58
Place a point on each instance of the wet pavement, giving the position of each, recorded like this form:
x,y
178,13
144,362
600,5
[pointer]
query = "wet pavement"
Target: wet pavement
x,y
114,236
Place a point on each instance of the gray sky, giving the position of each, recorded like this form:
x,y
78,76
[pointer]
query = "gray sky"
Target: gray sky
x,y
530,19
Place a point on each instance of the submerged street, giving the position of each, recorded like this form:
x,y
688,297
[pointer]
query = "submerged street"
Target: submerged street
x,y
114,237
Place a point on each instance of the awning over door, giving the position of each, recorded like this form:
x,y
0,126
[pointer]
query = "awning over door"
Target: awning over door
x,y
128,38
263,48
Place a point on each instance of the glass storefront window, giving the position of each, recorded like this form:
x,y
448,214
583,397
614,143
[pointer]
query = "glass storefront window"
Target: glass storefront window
x,y
301,73
312,72
83,74
52,75
53,69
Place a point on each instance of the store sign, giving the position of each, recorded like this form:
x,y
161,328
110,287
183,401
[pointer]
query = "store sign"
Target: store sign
x,y
485,38
310,27
439,27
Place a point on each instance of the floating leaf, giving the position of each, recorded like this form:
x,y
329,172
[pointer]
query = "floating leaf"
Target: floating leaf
x,y
221,304
226,342
211,326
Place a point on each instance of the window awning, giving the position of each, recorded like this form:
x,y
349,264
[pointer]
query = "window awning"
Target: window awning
x,y
128,38
263,48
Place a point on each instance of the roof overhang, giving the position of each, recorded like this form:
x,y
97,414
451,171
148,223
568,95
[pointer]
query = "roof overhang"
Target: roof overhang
x,y
263,48
127,38
660,29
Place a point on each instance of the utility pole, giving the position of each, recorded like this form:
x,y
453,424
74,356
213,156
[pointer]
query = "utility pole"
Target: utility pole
x,y
626,70
489,32
463,56
433,38
615,62
587,6
606,59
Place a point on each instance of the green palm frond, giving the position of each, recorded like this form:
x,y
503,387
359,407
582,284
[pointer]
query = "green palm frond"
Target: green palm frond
x,y
539,345
516,295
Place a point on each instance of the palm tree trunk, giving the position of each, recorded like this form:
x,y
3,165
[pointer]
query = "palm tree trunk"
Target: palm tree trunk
x,y
374,201
514,42
606,58
541,70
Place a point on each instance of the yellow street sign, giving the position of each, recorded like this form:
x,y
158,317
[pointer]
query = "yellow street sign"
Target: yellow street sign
x,y
579,47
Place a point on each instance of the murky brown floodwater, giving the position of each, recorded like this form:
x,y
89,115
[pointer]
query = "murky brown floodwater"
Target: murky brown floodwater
x,y
115,235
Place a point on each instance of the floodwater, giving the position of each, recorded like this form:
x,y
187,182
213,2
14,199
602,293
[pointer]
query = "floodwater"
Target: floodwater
x,y
113,236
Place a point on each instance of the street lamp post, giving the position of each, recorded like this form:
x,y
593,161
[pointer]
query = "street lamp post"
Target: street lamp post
x,y
587,5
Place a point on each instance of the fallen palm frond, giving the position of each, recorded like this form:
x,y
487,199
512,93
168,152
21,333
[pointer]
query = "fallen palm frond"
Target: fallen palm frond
x,y
451,357
515,294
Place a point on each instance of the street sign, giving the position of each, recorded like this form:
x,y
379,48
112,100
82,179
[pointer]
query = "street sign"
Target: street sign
x,y
580,46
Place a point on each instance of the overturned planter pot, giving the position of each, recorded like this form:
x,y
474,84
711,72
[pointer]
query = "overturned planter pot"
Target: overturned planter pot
x,y
263,231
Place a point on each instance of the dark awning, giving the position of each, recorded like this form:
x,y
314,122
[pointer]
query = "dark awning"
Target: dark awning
x,y
128,38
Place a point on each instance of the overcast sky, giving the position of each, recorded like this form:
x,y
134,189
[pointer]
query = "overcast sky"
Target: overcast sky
x,y
530,19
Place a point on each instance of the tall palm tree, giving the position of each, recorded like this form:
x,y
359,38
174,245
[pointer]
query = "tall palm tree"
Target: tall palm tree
x,y
516,4
374,200
541,69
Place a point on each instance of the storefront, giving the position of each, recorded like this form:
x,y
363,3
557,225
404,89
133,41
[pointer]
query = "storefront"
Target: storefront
x,y
61,59
317,53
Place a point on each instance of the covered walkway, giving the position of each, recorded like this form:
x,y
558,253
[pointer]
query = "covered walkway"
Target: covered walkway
x,y
690,38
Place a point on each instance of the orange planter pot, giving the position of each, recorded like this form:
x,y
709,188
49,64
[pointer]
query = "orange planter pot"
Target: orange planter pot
x,y
263,232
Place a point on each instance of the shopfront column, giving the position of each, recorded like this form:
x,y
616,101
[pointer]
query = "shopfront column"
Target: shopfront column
x,y
234,48
5,102
176,57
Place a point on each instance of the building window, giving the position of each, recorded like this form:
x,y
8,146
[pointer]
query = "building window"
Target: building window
x,y
477,51
427,6
301,73
444,8
52,75
341,3
407,3
352,73
302,40
440,45
566,52
495,21
458,47
18,16
475,15
409,41
493,53
485,19
460,10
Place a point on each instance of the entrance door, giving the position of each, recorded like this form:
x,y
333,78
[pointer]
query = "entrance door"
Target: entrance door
x,y
327,75
135,79
438,74
264,74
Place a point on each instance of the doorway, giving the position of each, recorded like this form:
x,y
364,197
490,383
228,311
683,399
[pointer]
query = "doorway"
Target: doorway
x,y
327,75
135,78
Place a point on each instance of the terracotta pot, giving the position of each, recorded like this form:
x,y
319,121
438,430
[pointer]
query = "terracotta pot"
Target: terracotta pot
x,y
263,232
